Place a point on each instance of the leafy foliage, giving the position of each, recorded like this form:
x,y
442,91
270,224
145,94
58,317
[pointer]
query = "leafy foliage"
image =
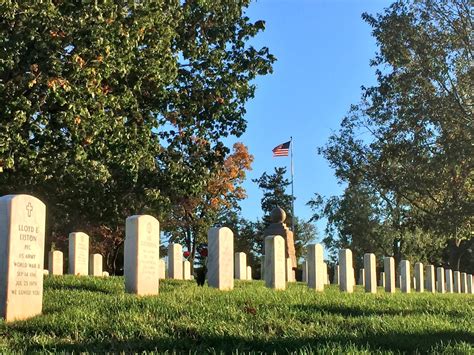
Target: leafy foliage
x,y
109,109
407,145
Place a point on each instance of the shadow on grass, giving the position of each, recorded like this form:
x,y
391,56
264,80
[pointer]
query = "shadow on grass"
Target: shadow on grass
x,y
84,286
347,311
189,340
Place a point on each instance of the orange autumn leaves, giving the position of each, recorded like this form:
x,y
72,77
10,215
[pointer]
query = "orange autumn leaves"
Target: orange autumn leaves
x,y
225,185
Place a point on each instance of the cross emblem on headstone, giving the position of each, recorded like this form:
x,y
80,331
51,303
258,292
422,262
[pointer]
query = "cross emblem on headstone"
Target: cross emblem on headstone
x,y
29,209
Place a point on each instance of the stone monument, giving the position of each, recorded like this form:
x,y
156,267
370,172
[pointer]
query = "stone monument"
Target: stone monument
x,y
278,227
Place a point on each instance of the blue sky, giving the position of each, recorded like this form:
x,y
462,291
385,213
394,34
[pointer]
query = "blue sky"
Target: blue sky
x,y
323,49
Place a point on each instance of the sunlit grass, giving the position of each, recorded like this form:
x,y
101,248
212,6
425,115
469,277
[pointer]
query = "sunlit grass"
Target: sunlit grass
x,y
95,314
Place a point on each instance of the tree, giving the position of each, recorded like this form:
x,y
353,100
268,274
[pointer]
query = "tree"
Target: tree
x,y
101,104
193,215
274,193
409,139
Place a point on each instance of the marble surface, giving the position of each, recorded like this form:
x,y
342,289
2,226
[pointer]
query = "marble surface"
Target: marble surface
x,y
220,260
370,273
141,255
79,253
22,239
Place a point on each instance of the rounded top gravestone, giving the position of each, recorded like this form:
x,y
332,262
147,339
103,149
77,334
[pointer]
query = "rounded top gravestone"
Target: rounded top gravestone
x,y
278,215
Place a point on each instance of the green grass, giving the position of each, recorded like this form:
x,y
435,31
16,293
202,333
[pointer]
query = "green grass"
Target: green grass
x,y
94,314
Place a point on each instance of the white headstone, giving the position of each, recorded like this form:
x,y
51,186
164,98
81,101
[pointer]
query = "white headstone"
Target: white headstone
x,y
141,255
361,280
470,286
175,261
405,281
389,271
346,270
95,265
316,271
249,273
457,282
105,274
162,269
240,266
45,272
79,253
275,262
186,270
449,280
370,270
382,280
22,226
430,278
55,262
419,277
325,273
463,282
440,277
336,275
305,271
220,260
289,270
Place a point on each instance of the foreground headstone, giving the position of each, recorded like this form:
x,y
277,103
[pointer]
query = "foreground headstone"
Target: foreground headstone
x,y
78,253
275,262
22,226
220,262
440,277
175,261
161,269
346,276
316,271
249,273
430,278
95,265
55,262
449,280
141,255
419,277
305,271
370,270
405,281
240,266
463,282
389,271
186,270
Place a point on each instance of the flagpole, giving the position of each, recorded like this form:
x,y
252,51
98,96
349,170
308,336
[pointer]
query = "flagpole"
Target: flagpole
x,y
292,189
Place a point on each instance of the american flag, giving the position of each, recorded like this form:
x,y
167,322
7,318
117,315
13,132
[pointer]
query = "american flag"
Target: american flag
x,y
281,150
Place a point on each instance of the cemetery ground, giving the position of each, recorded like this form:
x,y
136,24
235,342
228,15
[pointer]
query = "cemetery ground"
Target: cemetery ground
x,y
95,314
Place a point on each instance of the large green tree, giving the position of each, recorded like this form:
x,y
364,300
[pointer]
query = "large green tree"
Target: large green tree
x,y
111,108
410,138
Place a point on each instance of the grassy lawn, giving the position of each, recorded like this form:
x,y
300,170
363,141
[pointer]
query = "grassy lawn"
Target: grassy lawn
x,y
94,314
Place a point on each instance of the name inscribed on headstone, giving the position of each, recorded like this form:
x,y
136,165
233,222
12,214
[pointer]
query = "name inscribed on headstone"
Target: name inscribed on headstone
x,y
22,226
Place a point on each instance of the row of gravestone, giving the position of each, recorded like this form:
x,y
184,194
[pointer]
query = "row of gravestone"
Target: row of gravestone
x,y
22,230
314,273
